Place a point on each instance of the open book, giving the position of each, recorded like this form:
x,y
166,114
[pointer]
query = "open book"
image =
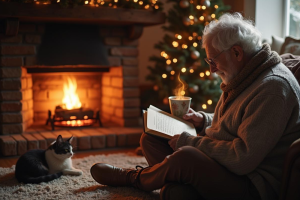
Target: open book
x,y
165,125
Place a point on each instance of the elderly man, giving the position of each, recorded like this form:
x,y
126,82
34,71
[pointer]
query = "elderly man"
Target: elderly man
x,y
240,149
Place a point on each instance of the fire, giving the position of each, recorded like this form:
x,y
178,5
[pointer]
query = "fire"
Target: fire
x,y
179,91
71,99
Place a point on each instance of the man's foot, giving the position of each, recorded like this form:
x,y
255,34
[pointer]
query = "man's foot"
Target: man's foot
x,y
106,174
177,191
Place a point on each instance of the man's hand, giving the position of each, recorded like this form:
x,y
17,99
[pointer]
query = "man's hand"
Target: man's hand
x,y
172,142
196,118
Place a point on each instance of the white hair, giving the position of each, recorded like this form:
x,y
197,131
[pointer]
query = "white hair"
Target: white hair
x,y
232,29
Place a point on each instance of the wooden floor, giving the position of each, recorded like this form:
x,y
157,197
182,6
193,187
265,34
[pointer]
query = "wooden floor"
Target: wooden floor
x,y
8,162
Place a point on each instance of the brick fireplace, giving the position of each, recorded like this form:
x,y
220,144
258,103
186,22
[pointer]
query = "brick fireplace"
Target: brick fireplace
x,y
29,90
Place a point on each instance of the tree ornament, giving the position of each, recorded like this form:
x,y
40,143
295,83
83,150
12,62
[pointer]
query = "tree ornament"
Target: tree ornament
x,y
169,68
184,4
195,54
186,21
166,101
206,3
214,75
194,89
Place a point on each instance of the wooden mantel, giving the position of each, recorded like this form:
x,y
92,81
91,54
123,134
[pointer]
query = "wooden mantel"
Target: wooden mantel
x,y
12,13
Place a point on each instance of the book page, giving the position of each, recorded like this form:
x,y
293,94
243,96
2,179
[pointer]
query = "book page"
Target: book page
x,y
166,123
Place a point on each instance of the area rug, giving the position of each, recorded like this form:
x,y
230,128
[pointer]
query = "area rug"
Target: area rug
x,y
77,187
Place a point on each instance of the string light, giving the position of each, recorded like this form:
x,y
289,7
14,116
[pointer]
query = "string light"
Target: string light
x,y
183,70
213,15
179,37
182,92
168,62
86,2
216,6
184,46
209,102
164,75
201,74
204,106
203,7
201,18
191,17
172,72
190,37
147,6
195,44
191,71
141,3
207,73
198,7
174,60
175,44
195,34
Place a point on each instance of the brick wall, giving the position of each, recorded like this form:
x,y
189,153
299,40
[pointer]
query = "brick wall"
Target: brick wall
x,y
25,98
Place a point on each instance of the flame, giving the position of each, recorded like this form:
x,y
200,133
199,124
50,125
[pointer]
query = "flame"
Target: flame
x,y
179,91
71,99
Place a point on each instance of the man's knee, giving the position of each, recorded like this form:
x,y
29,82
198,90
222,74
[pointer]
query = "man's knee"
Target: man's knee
x,y
187,155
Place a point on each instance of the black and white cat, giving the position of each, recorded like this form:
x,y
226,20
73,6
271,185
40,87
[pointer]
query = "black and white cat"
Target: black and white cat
x,y
36,166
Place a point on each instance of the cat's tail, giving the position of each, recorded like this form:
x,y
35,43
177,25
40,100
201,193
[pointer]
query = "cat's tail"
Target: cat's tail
x,y
46,178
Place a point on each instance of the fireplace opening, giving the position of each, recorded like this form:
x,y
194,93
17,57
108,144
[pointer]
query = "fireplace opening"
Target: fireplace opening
x,y
72,112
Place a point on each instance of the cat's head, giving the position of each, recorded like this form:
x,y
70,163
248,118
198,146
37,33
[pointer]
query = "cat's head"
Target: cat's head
x,y
62,149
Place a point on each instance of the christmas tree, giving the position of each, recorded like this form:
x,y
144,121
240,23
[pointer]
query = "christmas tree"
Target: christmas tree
x,y
182,58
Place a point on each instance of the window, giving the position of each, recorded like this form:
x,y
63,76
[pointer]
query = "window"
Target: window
x,y
292,22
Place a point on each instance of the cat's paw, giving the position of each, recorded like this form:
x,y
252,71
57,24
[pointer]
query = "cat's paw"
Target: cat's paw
x,y
79,172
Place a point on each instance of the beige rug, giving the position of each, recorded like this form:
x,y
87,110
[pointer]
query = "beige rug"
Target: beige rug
x,y
76,187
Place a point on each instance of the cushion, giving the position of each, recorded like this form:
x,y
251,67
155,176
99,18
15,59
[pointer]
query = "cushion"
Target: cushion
x,y
291,45
293,63
277,43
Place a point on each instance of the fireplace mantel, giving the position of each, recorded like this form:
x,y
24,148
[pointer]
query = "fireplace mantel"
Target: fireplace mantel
x,y
136,19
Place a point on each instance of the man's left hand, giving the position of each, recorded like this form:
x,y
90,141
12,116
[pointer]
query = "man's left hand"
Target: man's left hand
x,y
172,142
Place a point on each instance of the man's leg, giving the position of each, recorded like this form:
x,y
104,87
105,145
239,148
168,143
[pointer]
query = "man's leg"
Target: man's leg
x,y
155,149
190,166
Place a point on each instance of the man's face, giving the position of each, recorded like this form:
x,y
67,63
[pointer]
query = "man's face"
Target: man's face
x,y
225,64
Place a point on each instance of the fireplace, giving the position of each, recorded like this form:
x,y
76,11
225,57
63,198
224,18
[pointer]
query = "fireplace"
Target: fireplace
x,y
31,85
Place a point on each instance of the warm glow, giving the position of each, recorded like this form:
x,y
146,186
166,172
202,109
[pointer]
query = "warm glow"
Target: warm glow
x,y
147,6
86,2
172,72
184,46
209,102
216,6
201,18
179,37
190,37
201,74
191,70
198,7
175,44
183,69
195,44
71,99
164,75
207,73
204,106
156,7
174,60
213,15
191,17
168,62
195,34
203,7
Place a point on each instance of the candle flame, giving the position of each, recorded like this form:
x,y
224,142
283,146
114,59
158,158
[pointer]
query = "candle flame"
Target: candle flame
x,y
180,90
71,99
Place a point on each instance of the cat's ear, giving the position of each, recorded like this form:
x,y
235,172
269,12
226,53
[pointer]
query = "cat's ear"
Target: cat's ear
x,y
70,139
59,139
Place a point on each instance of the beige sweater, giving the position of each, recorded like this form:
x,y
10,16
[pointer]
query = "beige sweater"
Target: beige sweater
x,y
251,135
